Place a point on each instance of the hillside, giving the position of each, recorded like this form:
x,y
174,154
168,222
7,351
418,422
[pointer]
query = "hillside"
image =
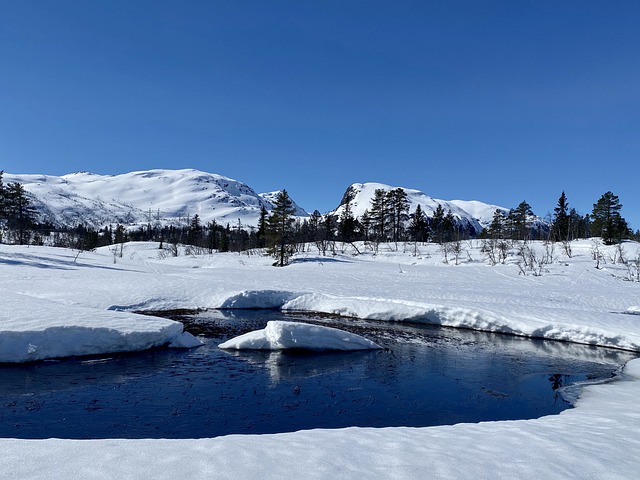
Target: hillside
x,y
139,198
471,215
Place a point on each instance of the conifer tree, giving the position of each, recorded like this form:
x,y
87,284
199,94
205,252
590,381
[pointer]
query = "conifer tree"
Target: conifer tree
x,y
279,224
194,235
438,225
607,221
347,224
315,221
419,225
561,228
365,225
496,229
225,239
379,214
18,211
449,226
261,235
519,220
398,209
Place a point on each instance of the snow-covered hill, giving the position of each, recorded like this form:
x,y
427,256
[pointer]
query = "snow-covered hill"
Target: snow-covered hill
x,y
139,198
270,198
482,212
473,215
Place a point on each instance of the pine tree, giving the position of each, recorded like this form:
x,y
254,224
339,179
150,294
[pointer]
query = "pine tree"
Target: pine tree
x,y
365,225
315,221
261,235
607,221
225,239
519,220
279,224
398,211
561,228
379,214
119,234
449,226
18,211
438,225
496,228
419,225
347,224
212,236
194,235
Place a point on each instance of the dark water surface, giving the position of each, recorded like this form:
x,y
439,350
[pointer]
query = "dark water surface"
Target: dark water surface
x,y
425,376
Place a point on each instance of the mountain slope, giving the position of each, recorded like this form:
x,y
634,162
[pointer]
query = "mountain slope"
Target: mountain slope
x,y
138,198
270,198
469,214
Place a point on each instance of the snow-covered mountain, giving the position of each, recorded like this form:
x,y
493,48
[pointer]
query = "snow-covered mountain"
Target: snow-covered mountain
x,y
469,214
482,212
270,198
139,198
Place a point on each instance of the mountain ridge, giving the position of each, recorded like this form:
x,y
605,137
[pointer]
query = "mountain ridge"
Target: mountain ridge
x,y
171,197
142,197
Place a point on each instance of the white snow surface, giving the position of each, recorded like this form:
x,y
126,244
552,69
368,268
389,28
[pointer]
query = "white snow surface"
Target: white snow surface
x,y
470,213
141,198
47,294
359,196
271,197
482,212
33,328
281,335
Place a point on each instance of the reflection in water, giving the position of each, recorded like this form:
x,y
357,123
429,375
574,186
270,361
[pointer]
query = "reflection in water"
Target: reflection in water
x,y
425,376
283,365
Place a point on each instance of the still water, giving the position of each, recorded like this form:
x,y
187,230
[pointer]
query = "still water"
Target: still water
x,y
424,376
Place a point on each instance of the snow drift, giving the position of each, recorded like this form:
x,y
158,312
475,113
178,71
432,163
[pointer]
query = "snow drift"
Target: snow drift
x,y
280,335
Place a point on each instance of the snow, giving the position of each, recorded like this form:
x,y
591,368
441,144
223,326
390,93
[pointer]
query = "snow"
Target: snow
x,y
360,195
271,197
141,198
54,304
483,212
36,329
280,335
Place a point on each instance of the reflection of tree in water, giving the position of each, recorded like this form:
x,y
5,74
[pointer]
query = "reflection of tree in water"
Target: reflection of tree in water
x,y
556,381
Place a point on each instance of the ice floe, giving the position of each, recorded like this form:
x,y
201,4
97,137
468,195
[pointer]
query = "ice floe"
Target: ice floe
x,y
281,335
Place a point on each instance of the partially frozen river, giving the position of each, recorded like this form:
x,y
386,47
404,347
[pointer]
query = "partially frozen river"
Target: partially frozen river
x,y
425,376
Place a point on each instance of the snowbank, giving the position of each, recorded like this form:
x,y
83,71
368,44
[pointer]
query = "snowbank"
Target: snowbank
x,y
512,323
279,335
36,329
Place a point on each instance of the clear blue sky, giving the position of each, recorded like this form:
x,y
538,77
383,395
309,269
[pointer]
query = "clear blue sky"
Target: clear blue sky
x,y
499,101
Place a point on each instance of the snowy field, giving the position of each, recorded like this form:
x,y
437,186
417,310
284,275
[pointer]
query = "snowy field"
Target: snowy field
x,y
54,304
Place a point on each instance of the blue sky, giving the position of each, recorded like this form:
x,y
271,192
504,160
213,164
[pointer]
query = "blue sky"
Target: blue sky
x,y
498,101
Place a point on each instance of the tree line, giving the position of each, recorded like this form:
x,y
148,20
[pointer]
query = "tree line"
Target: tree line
x,y
281,234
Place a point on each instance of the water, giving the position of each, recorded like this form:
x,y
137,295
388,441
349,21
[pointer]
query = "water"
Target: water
x,y
425,376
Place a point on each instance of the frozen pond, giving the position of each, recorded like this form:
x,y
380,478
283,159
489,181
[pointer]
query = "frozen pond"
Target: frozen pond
x,y
425,376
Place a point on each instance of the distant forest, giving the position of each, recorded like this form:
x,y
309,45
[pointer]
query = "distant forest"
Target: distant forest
x,y
281,234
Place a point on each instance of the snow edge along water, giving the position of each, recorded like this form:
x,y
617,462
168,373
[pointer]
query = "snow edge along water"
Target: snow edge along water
x,y
432,314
